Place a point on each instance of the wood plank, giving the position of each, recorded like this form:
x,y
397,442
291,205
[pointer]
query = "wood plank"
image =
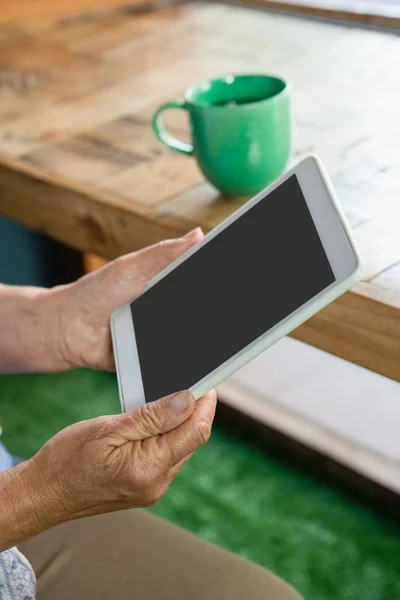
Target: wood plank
x,y
22,13
169,174
84,158
80,102
132,135
120,35
199,203
74,214
29,55
360,329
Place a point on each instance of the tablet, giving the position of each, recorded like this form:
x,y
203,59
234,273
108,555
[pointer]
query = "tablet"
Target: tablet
x,y
270,266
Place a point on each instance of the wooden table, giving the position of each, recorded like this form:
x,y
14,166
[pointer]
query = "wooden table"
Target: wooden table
x,y
80,163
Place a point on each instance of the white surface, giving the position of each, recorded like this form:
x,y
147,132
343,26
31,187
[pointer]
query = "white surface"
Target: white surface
x,y
127,364
344,259
329,219
351,402
390,8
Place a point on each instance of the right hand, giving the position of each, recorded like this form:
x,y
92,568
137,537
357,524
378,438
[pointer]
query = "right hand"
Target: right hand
x,y
120,461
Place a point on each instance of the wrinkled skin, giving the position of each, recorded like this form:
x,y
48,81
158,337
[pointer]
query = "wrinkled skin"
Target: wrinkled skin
x,y
108,463
85,306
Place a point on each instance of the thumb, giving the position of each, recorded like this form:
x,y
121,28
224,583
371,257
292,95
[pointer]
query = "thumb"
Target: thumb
x,y
155,418
129,274
151,260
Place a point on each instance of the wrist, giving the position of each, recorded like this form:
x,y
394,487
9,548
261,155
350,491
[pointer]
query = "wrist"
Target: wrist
x,y
57,303
30,330
46,308
29,506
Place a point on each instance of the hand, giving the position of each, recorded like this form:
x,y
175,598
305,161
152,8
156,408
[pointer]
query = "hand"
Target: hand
x,y
117,462
84,307
103,465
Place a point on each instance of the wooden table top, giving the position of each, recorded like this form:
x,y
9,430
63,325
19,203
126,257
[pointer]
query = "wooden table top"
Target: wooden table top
x,y
79,160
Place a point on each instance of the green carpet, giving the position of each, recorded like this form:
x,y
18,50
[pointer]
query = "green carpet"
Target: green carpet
x,y
230,493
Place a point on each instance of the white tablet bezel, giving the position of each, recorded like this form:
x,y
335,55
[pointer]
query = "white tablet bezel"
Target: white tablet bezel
x,y
342,254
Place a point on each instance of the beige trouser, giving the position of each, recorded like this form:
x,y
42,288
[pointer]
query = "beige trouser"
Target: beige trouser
x,y
133,555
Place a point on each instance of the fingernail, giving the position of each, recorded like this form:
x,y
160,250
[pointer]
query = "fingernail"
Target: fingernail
x,y
180,401
193,232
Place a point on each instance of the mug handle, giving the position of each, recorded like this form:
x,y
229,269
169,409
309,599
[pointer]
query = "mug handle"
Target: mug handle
x,y
166,138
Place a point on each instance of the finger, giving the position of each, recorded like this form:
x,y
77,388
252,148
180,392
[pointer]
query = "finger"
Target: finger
x,y
155,418
158,256
175,445
132,272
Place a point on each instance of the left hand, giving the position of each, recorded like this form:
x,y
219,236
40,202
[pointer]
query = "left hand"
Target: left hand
x,y
102,465
84,307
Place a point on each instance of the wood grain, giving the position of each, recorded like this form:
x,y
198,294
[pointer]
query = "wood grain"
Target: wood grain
x,y
79,160
26,13
73,214
360,329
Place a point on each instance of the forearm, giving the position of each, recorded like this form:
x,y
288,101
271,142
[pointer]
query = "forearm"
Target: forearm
x,y
29,330
25,508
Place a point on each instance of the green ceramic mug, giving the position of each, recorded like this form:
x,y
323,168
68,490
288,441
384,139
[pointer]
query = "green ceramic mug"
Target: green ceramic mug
x,y
240,128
